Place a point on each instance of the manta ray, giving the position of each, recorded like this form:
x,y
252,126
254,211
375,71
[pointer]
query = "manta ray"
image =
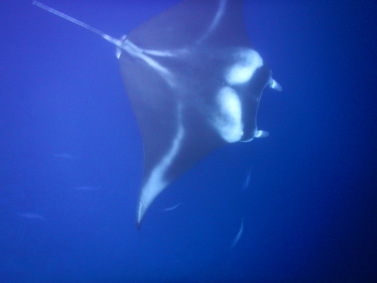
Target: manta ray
x,y
194,82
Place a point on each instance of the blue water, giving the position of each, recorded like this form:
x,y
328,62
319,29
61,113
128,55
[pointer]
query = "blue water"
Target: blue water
x,y
71,155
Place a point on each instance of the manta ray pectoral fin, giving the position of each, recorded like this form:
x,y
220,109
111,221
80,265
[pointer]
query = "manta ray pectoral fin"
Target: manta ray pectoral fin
x,y
157,182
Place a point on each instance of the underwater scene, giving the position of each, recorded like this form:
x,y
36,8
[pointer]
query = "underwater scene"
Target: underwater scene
x,y
188,141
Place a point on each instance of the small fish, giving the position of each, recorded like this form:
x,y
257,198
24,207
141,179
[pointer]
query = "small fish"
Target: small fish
x,y
238,236
247,180
172,207
86,188
64,156
32,216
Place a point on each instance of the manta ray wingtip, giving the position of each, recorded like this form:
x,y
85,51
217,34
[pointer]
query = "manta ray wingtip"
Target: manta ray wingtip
x,y
138,222
140,215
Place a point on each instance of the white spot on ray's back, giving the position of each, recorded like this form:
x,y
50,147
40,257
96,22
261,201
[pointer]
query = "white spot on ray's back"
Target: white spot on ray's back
x,y
156,182
247,62
228,121
215,22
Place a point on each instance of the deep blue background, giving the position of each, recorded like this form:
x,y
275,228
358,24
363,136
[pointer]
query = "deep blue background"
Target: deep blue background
x,y
65,122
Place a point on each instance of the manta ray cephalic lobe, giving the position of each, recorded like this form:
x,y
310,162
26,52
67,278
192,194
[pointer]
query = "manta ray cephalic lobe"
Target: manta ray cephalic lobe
x,y
194,82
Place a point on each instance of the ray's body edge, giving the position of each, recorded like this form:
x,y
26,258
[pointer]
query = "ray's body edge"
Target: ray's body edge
x,y
232,103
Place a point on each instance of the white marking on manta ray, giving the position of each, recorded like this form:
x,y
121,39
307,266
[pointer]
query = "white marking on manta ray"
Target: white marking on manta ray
x,y
172,207
138,52
219,13
32,216
156,53
248,61
156,183
165,53
238,236
228,122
